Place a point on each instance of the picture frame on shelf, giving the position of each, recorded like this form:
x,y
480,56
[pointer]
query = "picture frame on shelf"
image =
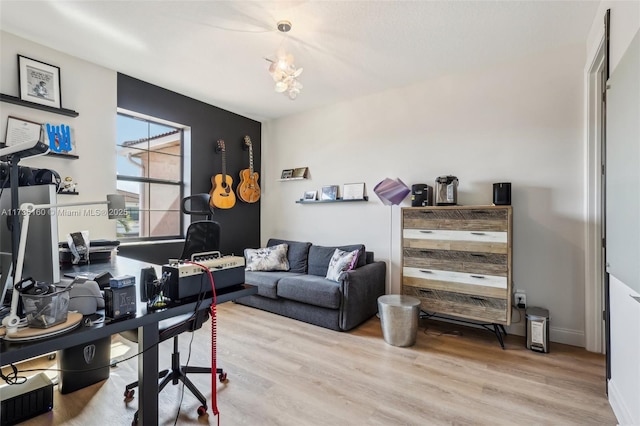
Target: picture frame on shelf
x,y
59,139
310,195
353,191
286,174
21,131
39,82
329,192
300,172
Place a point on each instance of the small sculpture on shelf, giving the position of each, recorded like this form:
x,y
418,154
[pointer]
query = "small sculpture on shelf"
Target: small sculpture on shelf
x,y
68,186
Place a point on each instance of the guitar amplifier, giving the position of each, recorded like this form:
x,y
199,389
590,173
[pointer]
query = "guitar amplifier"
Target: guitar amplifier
x,y
185,279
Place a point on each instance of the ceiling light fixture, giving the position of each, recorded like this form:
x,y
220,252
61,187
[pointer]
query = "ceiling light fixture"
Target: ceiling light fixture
x,y
282,69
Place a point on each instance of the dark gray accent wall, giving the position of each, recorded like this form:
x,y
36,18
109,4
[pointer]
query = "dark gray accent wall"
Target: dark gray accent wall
x,y
240,225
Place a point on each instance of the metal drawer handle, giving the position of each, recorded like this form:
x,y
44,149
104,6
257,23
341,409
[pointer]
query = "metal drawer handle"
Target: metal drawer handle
x,y
478,233
478,255
426,271
427,211
426,251
425,291
426,232
477,276
477,298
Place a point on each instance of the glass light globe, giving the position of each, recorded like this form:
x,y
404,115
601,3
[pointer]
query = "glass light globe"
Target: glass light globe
x,y
281,87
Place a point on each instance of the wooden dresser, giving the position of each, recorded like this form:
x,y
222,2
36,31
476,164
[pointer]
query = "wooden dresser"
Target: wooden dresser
x,y
457,261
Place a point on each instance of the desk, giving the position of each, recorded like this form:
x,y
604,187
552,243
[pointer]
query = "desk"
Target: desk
x,y
146,323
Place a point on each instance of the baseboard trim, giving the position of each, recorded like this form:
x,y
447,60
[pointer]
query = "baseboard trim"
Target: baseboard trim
x,y
556,334
622,413
567,336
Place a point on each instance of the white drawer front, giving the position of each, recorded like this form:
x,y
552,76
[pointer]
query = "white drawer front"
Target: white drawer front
x,y
456,277
480,236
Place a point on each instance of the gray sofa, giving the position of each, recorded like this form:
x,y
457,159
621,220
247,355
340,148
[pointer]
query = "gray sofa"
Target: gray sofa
x,y
304,294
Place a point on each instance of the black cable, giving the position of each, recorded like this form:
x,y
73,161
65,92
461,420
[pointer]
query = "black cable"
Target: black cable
x,y
13,378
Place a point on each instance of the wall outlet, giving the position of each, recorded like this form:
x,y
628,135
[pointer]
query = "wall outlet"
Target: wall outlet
x,y
520,299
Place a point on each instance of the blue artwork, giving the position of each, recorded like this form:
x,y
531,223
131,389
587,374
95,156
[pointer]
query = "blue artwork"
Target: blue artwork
x,y
59,138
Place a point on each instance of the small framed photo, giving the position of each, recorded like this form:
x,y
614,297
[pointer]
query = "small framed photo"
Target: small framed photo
x,y
22,131
39,82
300,172
286,174
353,191
310,195
329,192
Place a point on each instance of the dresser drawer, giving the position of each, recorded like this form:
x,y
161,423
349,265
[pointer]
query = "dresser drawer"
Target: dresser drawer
x,y
438,239
460,261
473,307
487,219
461,282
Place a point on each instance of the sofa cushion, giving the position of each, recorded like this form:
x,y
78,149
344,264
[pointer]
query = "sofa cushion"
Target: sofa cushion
x,y
340,262
310,289
266,282
320,256
297,254
272,258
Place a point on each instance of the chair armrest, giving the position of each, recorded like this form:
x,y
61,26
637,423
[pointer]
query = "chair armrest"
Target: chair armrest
x,y
361,288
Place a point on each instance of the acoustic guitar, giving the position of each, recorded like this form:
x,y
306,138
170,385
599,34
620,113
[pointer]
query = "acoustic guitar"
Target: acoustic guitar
x,y
248,189
221,194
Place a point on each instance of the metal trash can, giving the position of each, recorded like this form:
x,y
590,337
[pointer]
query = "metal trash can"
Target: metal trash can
x,y
399,316
537,330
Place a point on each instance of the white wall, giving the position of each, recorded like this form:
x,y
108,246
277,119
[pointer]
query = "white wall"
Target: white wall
x,y
515,122
624,388
91,91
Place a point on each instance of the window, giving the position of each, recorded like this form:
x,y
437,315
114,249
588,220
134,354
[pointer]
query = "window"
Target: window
x,y
150,176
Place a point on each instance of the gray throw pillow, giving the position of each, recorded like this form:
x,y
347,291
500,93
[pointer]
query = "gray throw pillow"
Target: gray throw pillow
x,y
267,259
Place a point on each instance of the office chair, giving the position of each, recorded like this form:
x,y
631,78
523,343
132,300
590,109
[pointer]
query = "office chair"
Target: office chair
x,y
202,236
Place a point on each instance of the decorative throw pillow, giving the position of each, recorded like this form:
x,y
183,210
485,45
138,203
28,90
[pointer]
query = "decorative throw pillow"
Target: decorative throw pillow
x,y
340,262
267,259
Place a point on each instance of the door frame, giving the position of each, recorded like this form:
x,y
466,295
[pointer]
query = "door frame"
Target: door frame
x,y
594,202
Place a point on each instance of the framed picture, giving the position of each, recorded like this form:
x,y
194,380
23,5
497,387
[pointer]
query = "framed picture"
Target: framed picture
x,y
310,195
286,174
39,82
300,172
353,191
329,192
22,131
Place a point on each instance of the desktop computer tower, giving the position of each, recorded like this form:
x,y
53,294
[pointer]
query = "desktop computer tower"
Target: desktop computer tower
x,y
84,365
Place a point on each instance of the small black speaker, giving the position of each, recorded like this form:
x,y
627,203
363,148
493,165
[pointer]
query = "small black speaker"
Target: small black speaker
x,y
421,195
502,194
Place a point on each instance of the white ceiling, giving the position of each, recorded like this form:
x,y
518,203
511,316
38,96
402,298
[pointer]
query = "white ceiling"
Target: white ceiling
x,y
214,51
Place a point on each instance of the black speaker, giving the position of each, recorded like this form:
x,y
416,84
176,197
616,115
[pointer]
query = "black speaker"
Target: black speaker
x,y
421,195
502,194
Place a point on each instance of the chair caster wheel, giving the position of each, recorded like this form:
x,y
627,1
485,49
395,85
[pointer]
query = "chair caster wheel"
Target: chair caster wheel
x,y
222,377
51,357
202,410
128,393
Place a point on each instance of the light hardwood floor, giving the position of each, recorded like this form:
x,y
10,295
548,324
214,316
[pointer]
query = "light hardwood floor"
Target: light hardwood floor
x,y
285,372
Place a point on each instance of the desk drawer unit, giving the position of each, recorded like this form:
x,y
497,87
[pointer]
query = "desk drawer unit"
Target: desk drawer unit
x,y
457,260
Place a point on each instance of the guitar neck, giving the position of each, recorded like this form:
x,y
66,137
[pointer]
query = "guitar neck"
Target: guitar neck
x,y
250,160
224,165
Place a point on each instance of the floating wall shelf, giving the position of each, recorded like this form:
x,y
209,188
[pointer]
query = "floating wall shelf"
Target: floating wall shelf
x,y
339,200
17,101
292,178
62,155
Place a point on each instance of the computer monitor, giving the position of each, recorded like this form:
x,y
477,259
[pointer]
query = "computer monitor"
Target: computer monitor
x,y
42,260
